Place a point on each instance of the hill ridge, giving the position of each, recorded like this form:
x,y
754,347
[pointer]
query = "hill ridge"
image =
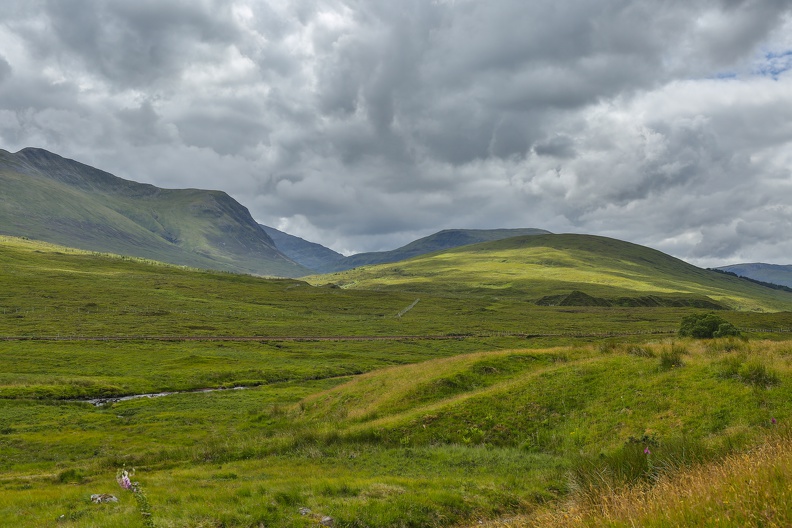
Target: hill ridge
x,y
322,259
779,274
551,267
54,199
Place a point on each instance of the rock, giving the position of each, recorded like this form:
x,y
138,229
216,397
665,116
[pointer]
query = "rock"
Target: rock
x,y
305,511
327,521
99,498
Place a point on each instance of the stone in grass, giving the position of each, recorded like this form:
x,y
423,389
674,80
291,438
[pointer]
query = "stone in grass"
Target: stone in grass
x,y
324,521
100,498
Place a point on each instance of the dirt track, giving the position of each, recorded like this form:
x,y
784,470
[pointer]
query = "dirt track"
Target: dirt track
x,y
324,338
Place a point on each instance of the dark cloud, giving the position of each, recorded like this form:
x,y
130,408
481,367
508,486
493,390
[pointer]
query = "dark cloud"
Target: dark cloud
x,y
364,125
133,43
559,146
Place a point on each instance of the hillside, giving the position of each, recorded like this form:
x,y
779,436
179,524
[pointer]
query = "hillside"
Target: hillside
x,y
48,290
566,269
46,197
446,239
309,254
772,273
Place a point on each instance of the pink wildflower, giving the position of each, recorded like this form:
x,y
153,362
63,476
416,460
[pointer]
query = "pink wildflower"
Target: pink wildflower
x,y
773,421
123,480
646,451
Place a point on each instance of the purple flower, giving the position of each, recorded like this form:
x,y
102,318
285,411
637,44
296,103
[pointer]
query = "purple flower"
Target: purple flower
x,y
773,421
646,451
123,480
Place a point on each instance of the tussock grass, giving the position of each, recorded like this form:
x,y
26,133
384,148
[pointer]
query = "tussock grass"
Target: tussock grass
x,y
747,489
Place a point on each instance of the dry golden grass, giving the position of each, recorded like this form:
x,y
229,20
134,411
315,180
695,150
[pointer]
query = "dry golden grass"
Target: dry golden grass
x,y
752,489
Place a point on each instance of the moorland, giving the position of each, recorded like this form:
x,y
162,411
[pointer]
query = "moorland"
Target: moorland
x,y
530,381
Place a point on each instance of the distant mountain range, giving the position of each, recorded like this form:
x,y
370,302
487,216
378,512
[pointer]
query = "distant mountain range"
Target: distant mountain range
x,y
50,198
324,260
770,273
47,197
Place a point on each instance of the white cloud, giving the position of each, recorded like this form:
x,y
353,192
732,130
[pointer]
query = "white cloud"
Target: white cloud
x,y
365,125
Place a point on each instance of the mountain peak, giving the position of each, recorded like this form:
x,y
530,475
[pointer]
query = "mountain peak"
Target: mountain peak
x,y
55,199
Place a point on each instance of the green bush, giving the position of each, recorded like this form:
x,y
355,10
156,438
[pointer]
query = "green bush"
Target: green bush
x,y
706,326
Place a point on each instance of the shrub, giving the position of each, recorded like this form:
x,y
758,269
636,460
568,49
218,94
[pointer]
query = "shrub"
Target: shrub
x,y
706,326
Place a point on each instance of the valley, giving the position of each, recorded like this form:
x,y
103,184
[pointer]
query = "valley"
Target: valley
x,y
477,404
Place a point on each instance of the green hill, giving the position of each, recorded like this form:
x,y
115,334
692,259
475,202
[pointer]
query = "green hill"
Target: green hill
x,y
46,197
552,269
446,239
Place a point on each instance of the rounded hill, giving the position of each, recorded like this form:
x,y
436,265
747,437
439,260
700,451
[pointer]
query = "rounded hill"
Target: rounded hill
x,y
601,270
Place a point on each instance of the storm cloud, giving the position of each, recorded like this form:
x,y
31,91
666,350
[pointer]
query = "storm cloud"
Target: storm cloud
x,y
364,125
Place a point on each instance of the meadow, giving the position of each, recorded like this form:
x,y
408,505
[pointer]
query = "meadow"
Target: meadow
x,y
465,408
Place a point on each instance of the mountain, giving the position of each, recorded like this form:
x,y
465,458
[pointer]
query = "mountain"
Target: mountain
x,y
446,239
566,270
50,198
771,273
309,254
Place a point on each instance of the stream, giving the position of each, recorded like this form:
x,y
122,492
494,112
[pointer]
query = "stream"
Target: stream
x,y
98,402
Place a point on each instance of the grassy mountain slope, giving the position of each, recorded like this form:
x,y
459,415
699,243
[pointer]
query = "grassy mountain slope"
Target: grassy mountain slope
x,y
544,267
446,239
46,290
50,198
309,254
772,273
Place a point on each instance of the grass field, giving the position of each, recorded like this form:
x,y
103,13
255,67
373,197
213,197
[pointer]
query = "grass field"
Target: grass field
x,y
483,425
547,265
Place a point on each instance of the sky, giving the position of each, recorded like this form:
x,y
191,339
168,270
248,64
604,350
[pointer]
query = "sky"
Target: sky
x,y
363,125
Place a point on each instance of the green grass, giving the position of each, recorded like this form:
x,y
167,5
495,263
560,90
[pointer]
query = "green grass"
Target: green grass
x,y
548,265
52,291
431,443
746,489
416,432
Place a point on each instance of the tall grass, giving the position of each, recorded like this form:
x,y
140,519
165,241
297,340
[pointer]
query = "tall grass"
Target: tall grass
x,y
747,489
